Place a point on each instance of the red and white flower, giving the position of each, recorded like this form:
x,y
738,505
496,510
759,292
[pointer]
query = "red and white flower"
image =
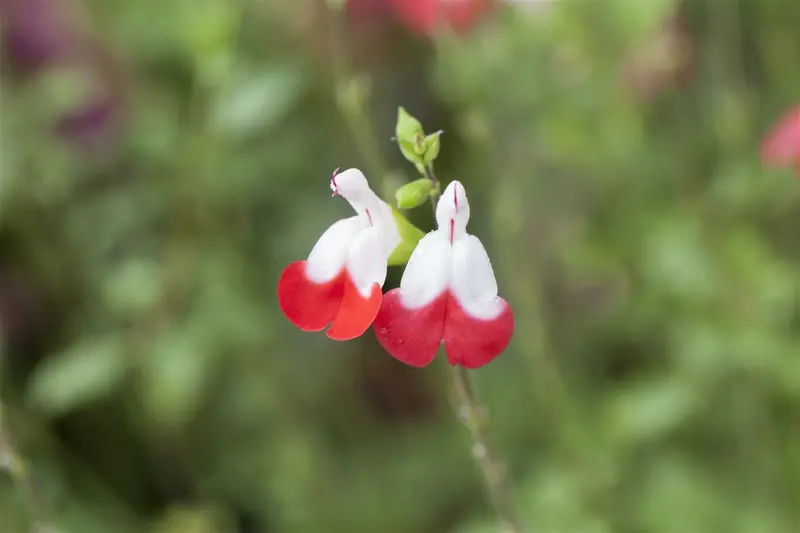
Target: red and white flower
x,y
340,282
448,295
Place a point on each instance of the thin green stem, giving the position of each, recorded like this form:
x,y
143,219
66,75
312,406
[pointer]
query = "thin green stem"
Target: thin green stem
x,y
469,410
473,414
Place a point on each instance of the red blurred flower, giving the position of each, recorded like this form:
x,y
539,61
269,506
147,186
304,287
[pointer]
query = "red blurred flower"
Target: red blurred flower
x,y
781,145
424,17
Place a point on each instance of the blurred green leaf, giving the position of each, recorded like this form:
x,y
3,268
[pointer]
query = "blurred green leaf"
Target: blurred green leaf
x,y
174,376
134,287
84,373
257,102
648,410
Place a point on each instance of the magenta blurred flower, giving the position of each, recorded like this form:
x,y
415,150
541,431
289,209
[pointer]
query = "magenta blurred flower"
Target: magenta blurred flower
x,y
424,17
36,33
92,126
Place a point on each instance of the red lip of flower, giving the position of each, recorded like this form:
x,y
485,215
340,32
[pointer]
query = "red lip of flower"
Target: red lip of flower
x,y
448,294
781,145
340,282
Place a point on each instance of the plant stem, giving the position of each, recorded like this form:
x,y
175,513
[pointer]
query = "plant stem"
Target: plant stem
x,y
469,409
473,414
474,417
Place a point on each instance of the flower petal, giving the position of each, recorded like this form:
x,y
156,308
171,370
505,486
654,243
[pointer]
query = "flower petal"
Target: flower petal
x,y
307,304
428,272
356,312
411,321
367,260
473,342
474,284
412,336
479,323
329,254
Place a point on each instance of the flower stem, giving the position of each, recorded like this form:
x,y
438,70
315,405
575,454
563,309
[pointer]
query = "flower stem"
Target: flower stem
x,y
469,409
474,417
473,414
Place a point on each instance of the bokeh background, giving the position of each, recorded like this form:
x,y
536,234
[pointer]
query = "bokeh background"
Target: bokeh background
x,y
162,161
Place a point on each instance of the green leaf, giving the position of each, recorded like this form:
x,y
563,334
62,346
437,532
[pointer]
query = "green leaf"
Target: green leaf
x,y
414,194
84,373
407,127
409,237
133,287
174,377
432,146
257,102
408,150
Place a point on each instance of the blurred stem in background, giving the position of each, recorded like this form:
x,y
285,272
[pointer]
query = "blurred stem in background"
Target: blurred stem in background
x,y
20,472
351,94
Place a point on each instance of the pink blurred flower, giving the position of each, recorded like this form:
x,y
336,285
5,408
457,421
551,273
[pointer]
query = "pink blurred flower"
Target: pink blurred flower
x,y
424,17
780,147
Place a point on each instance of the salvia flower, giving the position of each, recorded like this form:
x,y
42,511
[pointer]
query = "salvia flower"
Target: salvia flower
x,y
448,295
340,282
781,145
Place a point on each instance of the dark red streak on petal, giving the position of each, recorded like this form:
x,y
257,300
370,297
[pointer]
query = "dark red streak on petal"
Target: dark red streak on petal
x,y
452,230
309,306
355,313
472,342
412,336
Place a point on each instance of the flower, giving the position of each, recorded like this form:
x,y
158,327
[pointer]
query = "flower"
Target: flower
x,y
781,145
448,294
425,16
340,282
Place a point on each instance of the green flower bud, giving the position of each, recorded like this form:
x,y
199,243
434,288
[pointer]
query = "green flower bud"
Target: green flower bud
x,y
413,194
407,127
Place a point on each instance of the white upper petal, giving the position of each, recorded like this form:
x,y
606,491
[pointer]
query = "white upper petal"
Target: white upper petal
x,y
331,251
361,243
457,262
383,219
428,272
473,282
366,261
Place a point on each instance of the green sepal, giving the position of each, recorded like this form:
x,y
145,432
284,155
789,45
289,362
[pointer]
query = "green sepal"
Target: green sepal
x,y
407,127
413,194
432,146
409,237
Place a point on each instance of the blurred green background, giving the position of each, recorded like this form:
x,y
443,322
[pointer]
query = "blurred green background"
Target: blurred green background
x,y
163,161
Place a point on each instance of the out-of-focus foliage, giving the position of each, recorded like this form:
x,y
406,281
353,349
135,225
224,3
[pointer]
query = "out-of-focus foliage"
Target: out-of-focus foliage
x,y
161,169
